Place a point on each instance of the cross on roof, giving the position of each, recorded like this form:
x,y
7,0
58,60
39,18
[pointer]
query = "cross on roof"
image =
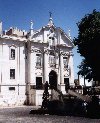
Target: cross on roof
x,y
50,14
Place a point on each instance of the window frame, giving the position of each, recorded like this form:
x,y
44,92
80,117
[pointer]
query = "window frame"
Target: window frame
x,y
38,58
65,63
67,83
12,76
52,59
38,85
12,89
12,49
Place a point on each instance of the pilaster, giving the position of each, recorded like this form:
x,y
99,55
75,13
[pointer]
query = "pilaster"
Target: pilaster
x,y
28,96
71,68
61,69
45,66
62,85
18,64
32,68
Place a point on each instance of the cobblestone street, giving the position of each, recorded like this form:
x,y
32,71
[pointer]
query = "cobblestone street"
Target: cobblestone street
x,y
21,115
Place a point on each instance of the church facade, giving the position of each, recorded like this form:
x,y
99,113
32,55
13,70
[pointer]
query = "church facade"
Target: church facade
x,y
28,60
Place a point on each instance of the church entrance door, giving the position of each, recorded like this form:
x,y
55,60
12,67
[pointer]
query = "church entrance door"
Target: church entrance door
x,y
53,80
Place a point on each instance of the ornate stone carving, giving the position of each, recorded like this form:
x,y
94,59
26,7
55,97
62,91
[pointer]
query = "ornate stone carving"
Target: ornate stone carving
x,y
71,53
66,72
36,50
46,51
13,45
64,53
38,72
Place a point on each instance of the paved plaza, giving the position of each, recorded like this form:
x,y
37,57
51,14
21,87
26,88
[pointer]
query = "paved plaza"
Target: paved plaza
x,y
21,115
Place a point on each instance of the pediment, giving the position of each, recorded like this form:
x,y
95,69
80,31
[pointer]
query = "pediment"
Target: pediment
x,y
47,32
65,40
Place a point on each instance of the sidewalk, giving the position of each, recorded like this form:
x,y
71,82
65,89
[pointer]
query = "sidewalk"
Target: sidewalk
x,y
22,106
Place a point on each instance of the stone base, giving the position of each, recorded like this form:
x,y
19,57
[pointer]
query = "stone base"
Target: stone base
x,y
38,97
62,88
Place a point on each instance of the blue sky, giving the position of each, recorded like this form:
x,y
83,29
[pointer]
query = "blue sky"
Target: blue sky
x,y
66,13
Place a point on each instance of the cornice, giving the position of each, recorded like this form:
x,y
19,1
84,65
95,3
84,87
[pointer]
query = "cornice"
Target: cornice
x,y
39,43
64,53
13,45
6,37
36,50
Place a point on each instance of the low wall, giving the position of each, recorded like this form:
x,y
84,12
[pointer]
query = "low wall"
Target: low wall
x,y
39,95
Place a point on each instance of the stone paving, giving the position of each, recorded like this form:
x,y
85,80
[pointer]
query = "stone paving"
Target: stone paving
x,y
21,115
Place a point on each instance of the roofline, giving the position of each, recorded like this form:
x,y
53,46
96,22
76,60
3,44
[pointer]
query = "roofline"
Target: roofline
x,y
66,36
6,37
55,28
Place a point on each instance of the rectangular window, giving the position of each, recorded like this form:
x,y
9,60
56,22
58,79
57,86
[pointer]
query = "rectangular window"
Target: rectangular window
x,y
66,82
12,73
38,60
12,54
39,83
12,88
32,86
65,62
52,59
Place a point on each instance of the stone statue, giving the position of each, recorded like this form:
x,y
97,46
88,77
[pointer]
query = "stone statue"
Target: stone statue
x,y
45,96
50,14
46,87
31,24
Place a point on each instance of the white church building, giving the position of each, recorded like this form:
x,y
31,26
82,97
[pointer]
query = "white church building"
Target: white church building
x,y
29,59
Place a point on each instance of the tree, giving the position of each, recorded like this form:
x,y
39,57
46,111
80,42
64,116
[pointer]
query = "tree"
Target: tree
x,y
88,43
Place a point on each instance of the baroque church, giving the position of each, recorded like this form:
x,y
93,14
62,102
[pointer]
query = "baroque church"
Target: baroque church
x,y
29,59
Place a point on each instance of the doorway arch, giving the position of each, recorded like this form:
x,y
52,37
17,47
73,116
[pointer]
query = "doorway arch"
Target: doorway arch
x,y
53,80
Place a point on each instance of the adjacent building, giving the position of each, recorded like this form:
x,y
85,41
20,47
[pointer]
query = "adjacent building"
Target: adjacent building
x,y
29,59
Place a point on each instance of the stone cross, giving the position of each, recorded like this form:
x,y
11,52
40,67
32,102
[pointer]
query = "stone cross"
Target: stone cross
x,y
50,14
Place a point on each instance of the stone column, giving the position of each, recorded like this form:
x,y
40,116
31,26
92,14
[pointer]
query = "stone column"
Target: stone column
x,y
61,69
32,68
45,66
28,98
18,63
71,69
18,75
62,85
58,66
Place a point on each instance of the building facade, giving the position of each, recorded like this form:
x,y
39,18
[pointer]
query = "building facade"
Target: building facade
x,y
28,60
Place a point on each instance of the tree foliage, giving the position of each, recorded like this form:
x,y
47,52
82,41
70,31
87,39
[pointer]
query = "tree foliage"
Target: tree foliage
x,y
88,43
